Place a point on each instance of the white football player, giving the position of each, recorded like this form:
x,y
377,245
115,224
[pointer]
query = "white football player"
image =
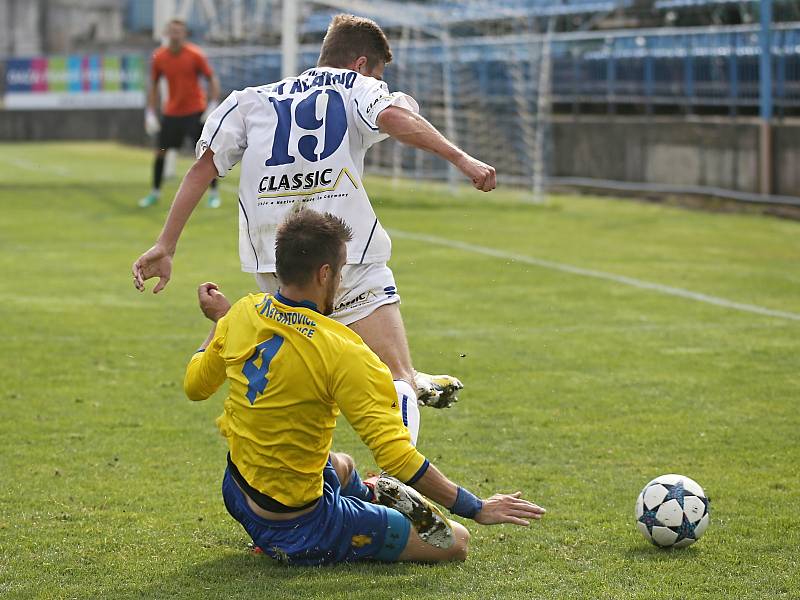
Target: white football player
x,y
301,142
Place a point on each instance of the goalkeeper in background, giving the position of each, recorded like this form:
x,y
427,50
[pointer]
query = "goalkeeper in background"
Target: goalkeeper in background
x,y
181,64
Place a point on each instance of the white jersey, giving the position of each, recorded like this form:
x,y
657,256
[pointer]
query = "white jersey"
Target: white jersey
x,y
302,140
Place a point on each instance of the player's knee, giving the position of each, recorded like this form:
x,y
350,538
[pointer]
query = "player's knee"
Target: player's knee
x,y
344,465
459,549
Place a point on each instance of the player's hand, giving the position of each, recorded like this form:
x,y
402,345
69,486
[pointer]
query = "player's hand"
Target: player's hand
x,y
483,176
508,508
151,123
212,106
213,303
156,262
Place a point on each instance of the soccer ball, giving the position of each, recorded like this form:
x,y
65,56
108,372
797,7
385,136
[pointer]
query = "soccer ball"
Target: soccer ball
x,y
672,511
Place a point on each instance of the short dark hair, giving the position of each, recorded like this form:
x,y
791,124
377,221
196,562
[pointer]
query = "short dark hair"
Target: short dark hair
x,y
305,241
349,37
178,21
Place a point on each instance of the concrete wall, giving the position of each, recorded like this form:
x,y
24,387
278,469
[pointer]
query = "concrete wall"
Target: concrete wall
x,y
125,125
674,151
786,161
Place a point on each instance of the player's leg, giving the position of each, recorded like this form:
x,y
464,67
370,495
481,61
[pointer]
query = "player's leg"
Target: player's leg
x,y
428,519
419,511
214,200
195,131
169,136
383,331
400,542
158,175
430,536
373,532
351,484
343,464
418,550
365,288
170,164
339,529
368,303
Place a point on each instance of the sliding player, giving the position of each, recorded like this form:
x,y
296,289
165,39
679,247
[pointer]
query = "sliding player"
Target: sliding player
x,y
302,140
291,370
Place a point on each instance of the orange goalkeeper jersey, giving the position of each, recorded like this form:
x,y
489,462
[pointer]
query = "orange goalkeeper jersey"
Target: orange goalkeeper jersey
x,y
182,70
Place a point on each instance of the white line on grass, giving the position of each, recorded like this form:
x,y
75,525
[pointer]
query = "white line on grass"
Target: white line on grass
x,y
565,268
39,167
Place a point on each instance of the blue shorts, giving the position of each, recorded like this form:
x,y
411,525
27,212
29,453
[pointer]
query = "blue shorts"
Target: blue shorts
x,y
339,529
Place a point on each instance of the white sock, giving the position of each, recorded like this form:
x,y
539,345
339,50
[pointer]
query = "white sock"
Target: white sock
x,y
409,408
156,193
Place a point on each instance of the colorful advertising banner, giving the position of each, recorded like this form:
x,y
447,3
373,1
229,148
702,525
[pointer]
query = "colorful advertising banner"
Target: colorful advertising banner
x,y
75,81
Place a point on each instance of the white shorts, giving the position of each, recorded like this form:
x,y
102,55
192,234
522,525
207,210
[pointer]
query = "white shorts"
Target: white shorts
x,y
364,288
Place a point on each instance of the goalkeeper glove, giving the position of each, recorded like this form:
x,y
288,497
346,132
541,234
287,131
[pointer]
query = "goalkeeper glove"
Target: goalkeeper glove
x,y
151,123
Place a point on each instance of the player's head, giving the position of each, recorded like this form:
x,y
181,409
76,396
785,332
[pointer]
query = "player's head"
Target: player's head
x,y
310,251
176,31
355,43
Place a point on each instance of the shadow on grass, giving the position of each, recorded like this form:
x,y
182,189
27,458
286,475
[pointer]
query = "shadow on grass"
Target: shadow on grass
x,y
652,553
242,574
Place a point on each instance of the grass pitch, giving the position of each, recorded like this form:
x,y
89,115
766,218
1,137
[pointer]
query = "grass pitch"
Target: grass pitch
x,y
579,391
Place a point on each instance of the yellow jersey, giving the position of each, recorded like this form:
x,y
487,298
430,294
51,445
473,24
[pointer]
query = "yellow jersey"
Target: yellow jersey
x,y
291,370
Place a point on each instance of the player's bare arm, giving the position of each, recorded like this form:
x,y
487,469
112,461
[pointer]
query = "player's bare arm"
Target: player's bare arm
x,y
414,130
157,261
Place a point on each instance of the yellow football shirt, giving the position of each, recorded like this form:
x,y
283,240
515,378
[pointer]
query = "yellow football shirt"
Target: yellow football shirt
x,y
291,370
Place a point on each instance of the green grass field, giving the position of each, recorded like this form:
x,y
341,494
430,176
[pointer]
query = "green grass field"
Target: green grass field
x,y
579,391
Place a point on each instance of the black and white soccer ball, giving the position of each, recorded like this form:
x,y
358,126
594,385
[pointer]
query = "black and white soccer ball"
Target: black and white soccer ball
x,y
672,511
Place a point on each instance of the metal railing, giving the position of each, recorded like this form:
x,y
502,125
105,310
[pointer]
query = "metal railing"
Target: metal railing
x,y
686,69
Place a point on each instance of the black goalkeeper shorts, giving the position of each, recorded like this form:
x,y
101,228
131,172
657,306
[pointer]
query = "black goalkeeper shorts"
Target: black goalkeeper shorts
x,y
176,129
